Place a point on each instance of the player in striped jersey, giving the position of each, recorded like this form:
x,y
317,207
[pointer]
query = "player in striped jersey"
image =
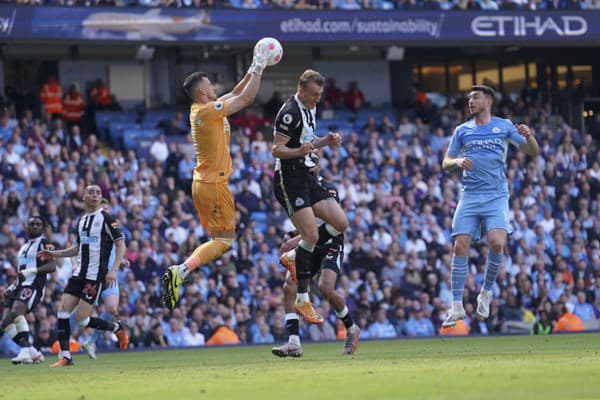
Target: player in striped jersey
x,y
110,293
96,234
27,290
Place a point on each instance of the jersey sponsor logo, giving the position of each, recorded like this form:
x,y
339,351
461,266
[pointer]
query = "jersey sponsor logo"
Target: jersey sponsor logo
x,y
491,144
85,239
89,291
26,293
218,105
23,260
287,119
299,201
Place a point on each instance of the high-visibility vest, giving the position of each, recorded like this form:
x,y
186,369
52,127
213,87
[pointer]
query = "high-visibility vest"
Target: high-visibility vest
x,y
223,335
569,322
51,98
73,108
102,95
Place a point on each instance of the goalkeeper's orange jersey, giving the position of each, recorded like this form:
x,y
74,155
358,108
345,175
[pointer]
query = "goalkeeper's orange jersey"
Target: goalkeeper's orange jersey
x,y
211,134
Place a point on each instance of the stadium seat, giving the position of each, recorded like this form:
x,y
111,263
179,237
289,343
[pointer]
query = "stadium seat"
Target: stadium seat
x,y
116,131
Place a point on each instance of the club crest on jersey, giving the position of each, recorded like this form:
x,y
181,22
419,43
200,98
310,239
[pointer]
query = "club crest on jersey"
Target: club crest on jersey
x,y
287,119
299,201
218,105
496,129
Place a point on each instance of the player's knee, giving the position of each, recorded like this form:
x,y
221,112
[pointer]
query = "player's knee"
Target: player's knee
x,y
83,322
461,247
326,289
289,287
342,224
496,246
227,242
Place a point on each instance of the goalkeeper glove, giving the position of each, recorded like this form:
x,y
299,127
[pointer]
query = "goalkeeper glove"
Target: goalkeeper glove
x,y
259,61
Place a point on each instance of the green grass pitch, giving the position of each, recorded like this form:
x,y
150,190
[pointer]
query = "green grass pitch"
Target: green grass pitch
x,y
507,368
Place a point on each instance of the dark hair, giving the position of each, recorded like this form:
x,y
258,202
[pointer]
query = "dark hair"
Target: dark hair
x,y
311,76
40,218
488,91
190,82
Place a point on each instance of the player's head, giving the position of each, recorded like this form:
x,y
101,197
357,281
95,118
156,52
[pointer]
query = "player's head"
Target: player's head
x,y
481,98
92,196
310,88
35,226
199,87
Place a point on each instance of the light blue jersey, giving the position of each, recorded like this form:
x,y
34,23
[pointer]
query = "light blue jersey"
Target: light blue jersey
x,y
486,146
485,188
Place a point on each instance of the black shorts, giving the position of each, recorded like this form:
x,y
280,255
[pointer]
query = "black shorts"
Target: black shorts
x,y
30,295
86,289
326,257
298,189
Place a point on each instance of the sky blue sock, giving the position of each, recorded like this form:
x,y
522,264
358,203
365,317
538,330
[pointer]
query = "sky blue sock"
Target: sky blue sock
x,y
459,276
494,261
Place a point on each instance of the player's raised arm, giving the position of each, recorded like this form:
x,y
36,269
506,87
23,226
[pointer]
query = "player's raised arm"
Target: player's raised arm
x,y
238,89
530,146
245,92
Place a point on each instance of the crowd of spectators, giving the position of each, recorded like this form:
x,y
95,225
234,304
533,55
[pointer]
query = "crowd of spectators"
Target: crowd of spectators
x,y
396,267
445,5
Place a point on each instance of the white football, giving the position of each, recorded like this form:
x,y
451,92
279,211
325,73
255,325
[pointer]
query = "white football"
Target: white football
x,y
272,47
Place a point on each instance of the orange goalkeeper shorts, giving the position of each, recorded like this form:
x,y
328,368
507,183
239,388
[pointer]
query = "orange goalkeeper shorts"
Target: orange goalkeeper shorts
x,y
214,204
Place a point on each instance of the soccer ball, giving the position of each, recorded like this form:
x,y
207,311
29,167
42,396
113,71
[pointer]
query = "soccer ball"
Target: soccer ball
x,y
273,47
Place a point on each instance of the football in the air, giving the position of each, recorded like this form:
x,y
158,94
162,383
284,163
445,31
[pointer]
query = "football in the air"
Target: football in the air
x,y
273,47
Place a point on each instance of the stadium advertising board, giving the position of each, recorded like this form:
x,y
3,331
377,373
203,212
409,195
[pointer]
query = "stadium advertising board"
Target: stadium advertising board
x,y
187,25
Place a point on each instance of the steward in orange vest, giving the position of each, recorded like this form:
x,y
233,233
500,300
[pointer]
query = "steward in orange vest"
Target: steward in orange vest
x,y
73,105
51,97
100,94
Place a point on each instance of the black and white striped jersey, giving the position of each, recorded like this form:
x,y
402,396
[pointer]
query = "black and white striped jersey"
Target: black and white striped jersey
x,y
96,234
27,259
297,123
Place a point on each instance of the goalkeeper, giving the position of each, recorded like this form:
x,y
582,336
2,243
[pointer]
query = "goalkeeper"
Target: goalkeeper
x,y
210,189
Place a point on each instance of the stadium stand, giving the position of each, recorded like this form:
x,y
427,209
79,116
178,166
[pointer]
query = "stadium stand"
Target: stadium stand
x,y
459,5
396,270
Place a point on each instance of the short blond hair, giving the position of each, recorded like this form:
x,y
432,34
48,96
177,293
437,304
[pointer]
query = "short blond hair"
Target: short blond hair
x,y
311,76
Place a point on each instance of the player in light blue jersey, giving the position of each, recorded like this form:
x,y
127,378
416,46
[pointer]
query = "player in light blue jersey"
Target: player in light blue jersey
x,y
110,295
479,148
